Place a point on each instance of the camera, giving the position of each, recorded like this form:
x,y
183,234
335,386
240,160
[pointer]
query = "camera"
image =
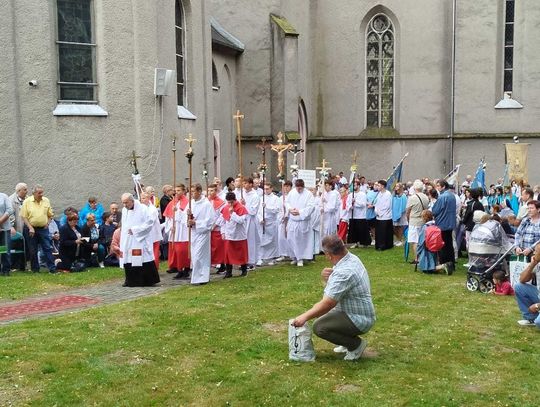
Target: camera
x,y
33,83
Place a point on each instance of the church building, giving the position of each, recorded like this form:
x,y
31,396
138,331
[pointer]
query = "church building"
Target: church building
x,y
85,83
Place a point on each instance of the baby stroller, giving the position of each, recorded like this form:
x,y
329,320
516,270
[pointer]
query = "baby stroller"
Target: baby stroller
x,y
488,250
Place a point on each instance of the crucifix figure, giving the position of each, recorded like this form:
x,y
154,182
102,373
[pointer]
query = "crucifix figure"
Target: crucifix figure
x,y
295,151
280,149
205,173
239,117
323,169
133,162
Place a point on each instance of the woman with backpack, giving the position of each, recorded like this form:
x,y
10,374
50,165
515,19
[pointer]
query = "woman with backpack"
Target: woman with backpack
x,y
429,243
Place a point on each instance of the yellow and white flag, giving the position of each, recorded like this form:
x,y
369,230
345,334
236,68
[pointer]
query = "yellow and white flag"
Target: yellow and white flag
x,y
516,158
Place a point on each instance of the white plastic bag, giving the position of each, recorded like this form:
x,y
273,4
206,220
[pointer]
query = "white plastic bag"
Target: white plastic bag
x,y
516,267
300,343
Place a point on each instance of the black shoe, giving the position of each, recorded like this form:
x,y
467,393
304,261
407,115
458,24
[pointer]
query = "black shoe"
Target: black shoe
x,y
172,271
221,270
228,274
124,285
186,274
53,271
244,271
179,276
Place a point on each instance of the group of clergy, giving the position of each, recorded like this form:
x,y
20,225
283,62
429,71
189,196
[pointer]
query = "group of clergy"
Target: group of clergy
x,y
247,226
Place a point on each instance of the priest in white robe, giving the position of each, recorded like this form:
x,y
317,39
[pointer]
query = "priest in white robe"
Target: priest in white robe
x,y
136,246
300,205
384,229
269,235
156,233
201,224
252,201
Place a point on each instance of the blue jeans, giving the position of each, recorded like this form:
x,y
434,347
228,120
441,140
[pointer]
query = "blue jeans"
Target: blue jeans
x,y
5,263
527,295
41,238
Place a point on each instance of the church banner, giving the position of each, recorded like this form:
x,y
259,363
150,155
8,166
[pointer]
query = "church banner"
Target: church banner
x,y
517,157
309,177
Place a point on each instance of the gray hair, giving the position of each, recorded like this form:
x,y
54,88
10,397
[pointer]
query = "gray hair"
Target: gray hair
x,y
20,186
36,187
418,185
332,244
129,196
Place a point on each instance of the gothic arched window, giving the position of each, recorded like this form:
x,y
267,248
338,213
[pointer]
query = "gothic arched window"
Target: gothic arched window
x,y
180,25
380,41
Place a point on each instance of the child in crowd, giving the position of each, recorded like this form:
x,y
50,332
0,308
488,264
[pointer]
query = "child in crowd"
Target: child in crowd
x,y
427,260
502,285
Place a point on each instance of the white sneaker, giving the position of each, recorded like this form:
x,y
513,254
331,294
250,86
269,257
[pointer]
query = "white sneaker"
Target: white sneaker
x,y
293,262
259,263
101,265
373,242
399,243
525,322
340,349
355,354
271,263
300,263
280,259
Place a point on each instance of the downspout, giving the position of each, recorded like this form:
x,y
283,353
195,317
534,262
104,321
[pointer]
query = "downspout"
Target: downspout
x,y
453,85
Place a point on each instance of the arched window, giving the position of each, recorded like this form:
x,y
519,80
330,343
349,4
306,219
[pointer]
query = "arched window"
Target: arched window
x,y
180,25
215,79
380,72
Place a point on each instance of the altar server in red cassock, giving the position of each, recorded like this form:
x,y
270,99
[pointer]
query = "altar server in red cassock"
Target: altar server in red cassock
x,y
234,233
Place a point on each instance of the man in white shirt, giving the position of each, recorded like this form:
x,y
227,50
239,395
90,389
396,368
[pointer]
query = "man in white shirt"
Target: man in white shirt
x,y
384,233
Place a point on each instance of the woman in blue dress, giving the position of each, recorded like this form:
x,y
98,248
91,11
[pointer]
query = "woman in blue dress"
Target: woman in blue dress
x,y
427,260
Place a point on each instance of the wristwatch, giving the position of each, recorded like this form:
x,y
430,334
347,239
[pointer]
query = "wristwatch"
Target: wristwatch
x,y
537,307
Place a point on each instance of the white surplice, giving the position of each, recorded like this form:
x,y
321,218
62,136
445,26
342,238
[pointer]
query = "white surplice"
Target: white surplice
x,y
283,246
180,223
155,234
252,204
204,216
269,239
316,224
140,222
330,216
299,233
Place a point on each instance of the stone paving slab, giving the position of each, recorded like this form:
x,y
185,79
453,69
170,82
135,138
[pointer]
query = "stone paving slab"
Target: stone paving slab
x,y
95,295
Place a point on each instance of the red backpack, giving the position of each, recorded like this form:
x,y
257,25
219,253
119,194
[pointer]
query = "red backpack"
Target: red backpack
x,y
434,241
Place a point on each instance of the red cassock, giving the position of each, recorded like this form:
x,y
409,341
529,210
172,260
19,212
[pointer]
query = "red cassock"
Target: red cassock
x,y
217,246
342,231
178,251
236,252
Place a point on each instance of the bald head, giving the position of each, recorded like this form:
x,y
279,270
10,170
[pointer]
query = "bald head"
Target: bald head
x,y
128,200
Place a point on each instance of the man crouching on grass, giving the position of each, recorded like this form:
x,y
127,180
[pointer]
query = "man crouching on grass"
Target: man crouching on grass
x,y
346,309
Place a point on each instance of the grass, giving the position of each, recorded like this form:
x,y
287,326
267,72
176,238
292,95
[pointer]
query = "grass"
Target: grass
x,y
225,344
25,284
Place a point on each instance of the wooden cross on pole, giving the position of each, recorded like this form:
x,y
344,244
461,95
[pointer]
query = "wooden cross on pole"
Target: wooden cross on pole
x,y
280,148
323,169
239,117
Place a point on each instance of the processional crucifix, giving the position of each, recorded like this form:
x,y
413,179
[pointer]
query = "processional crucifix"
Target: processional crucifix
x,y
354,169
189,155
239,117
136,175
262,169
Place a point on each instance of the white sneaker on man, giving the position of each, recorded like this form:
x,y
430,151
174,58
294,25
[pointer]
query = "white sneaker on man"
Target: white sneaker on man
x,y
293,262
300,263
280,259
525,322
340,349
355,354
259,263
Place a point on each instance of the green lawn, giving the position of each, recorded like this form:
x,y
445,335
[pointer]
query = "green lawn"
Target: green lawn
x,y
225,344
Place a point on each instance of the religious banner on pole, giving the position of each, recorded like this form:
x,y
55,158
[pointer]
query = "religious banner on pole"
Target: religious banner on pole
x,y
395,177
517,155
452,177
309,177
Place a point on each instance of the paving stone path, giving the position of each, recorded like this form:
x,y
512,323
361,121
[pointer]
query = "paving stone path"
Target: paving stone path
x,y
64,302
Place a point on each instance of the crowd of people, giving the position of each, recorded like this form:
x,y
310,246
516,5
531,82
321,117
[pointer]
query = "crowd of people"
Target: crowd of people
x,y
244,223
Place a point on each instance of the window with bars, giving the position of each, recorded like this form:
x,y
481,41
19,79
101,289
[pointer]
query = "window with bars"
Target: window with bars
x,y
180,53
508,46
380,72
76,52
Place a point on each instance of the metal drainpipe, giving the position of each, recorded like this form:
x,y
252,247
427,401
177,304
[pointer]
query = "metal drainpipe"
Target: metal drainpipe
x,y
453,85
